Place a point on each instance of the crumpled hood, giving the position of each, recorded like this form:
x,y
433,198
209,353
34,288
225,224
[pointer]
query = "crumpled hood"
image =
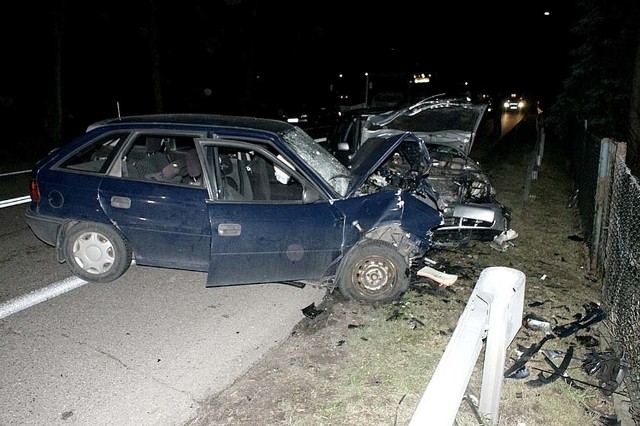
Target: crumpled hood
x,y
453,123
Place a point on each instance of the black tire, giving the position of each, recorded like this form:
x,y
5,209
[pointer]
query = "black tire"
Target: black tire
x,y
373,272
96,252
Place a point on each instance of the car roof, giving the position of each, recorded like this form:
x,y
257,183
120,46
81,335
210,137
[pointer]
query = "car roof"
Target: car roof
x,y
207,120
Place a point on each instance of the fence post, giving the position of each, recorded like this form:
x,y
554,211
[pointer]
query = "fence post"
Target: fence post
x,y
608,149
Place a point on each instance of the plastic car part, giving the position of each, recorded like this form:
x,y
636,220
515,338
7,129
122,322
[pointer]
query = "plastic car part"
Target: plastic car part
x,y
96,252
373,272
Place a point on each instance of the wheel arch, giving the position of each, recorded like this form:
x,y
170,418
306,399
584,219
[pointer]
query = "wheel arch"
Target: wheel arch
x,y
64,228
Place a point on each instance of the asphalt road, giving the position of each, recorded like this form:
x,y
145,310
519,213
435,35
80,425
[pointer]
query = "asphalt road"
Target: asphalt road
x,y
145,349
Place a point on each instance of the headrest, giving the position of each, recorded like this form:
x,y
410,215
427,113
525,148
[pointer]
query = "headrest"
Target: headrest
x,y
193,164
153,145
226,166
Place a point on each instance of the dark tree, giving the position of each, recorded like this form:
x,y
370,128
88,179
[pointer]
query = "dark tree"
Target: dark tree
x,y
603,87
55,112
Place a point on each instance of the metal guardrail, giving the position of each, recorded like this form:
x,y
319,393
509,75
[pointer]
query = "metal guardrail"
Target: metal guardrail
x,y
18,200
494,311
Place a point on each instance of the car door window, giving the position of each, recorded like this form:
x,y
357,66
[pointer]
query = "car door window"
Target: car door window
x,y
242,174
165,158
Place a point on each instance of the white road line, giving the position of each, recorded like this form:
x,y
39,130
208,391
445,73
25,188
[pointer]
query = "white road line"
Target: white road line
x,y
37,296
19,172
15,201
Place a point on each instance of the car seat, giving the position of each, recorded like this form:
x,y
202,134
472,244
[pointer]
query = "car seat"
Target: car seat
x,y
150,167
194,169
259,179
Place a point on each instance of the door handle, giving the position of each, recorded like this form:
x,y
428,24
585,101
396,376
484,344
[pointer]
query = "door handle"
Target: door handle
x,y
229,229
120,202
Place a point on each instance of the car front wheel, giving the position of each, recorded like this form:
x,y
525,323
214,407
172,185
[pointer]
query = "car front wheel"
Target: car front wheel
x,y
96,252
373,272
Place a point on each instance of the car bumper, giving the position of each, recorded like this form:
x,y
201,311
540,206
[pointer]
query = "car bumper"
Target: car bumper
x,y
44,227
482,221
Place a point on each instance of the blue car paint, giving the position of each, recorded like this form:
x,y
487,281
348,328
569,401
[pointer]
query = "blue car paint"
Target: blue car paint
x,y
275,242
166,225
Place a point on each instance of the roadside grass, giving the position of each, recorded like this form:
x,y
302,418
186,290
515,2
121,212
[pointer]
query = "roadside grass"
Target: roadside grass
x,y
387,364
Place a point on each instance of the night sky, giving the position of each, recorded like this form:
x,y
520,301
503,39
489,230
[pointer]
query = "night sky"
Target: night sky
x,y
290,52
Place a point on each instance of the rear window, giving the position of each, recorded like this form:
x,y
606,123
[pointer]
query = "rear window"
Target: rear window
x,y
97,155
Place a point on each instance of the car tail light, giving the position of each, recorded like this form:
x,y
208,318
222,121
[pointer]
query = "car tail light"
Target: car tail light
x,y
34,191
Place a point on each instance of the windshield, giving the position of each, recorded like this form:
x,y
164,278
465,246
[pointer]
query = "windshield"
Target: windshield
x,y
319,159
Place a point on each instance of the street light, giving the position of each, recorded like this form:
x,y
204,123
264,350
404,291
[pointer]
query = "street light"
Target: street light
x,y
366,90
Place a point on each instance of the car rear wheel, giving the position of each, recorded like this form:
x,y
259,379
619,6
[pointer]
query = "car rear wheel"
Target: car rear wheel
x,y
96,252
373,272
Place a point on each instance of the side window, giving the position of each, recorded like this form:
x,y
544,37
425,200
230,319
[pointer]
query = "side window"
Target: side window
x,y
97,156
163,158
247,175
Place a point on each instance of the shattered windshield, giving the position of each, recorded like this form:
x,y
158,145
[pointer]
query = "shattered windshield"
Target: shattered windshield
x,y
319,159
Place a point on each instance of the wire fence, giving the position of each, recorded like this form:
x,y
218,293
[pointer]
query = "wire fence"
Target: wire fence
x,y
609,205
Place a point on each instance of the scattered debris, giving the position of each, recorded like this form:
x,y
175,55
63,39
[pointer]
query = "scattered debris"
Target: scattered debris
x,y
588,341
553,354
572,201
594,314
474,403
538,303
311,311
438,276
429,261
522,373
526,355
298,284
502,242
557,371
608,368
536,323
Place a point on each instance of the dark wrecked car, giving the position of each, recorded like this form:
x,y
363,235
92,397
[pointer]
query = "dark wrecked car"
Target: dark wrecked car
x,y
448,127
246,200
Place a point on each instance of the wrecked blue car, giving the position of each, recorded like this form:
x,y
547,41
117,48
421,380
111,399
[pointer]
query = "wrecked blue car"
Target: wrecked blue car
x,y
246,200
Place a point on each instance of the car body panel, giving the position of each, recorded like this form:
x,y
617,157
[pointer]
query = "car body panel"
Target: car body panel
x,y
154,215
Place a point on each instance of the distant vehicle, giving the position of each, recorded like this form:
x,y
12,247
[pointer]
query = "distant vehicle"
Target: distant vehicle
x,y
448,127
514,103
246,200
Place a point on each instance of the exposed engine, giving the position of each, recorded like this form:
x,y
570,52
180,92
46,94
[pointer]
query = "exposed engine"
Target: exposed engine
x,y
399,173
